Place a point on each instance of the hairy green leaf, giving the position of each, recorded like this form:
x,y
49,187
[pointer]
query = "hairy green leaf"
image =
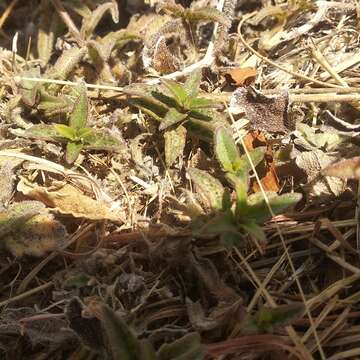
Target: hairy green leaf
x,y
79,116
174,144
172,117
90,22
252,228
53,105
28,89
226,150
177,90
101,140
209,188
186,348
244,165
73,150
123,343
267,319
65,131
43,132
258,209
192,83
66,63
201,103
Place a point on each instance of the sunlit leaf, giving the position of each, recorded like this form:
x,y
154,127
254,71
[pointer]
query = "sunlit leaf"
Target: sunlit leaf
x,y
209,188
43,132
192,83
226,150
52,105
101,140
206,14
79,116
174,144
258,209
90,22
28,89
73,150
66,63
65,131
172,117
200,103
176,89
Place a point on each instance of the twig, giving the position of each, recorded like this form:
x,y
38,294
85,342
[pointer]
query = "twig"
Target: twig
x,y
27,293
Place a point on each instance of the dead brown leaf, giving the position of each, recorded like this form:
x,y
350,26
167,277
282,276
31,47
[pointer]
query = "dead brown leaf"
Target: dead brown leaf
x,y
266,169
70,200
242,76
263,112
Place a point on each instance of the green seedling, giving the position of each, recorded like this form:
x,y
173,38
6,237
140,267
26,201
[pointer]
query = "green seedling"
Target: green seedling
x,y
77,135
178,106
231,220
266,319
125,345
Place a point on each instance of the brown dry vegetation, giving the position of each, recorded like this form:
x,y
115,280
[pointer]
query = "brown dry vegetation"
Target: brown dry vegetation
x,y
170,179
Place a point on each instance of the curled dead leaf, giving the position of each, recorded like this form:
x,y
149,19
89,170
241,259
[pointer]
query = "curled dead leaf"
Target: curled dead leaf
x,y
242,76
70,200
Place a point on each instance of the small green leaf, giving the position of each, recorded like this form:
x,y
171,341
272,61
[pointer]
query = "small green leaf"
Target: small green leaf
x,y
43,132
186,348
66,131
123,343
28,89
73,150
226,150
201,103
53,105
101,140
172,117
209,188
175,141
258,209
85,133
79,115
240,184
244,165
192,83
165,100
177,90
220,224
267,319
252,228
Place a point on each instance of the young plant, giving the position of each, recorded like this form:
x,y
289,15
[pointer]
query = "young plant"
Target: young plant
x,y
125,345
77,135
179,109
247,212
